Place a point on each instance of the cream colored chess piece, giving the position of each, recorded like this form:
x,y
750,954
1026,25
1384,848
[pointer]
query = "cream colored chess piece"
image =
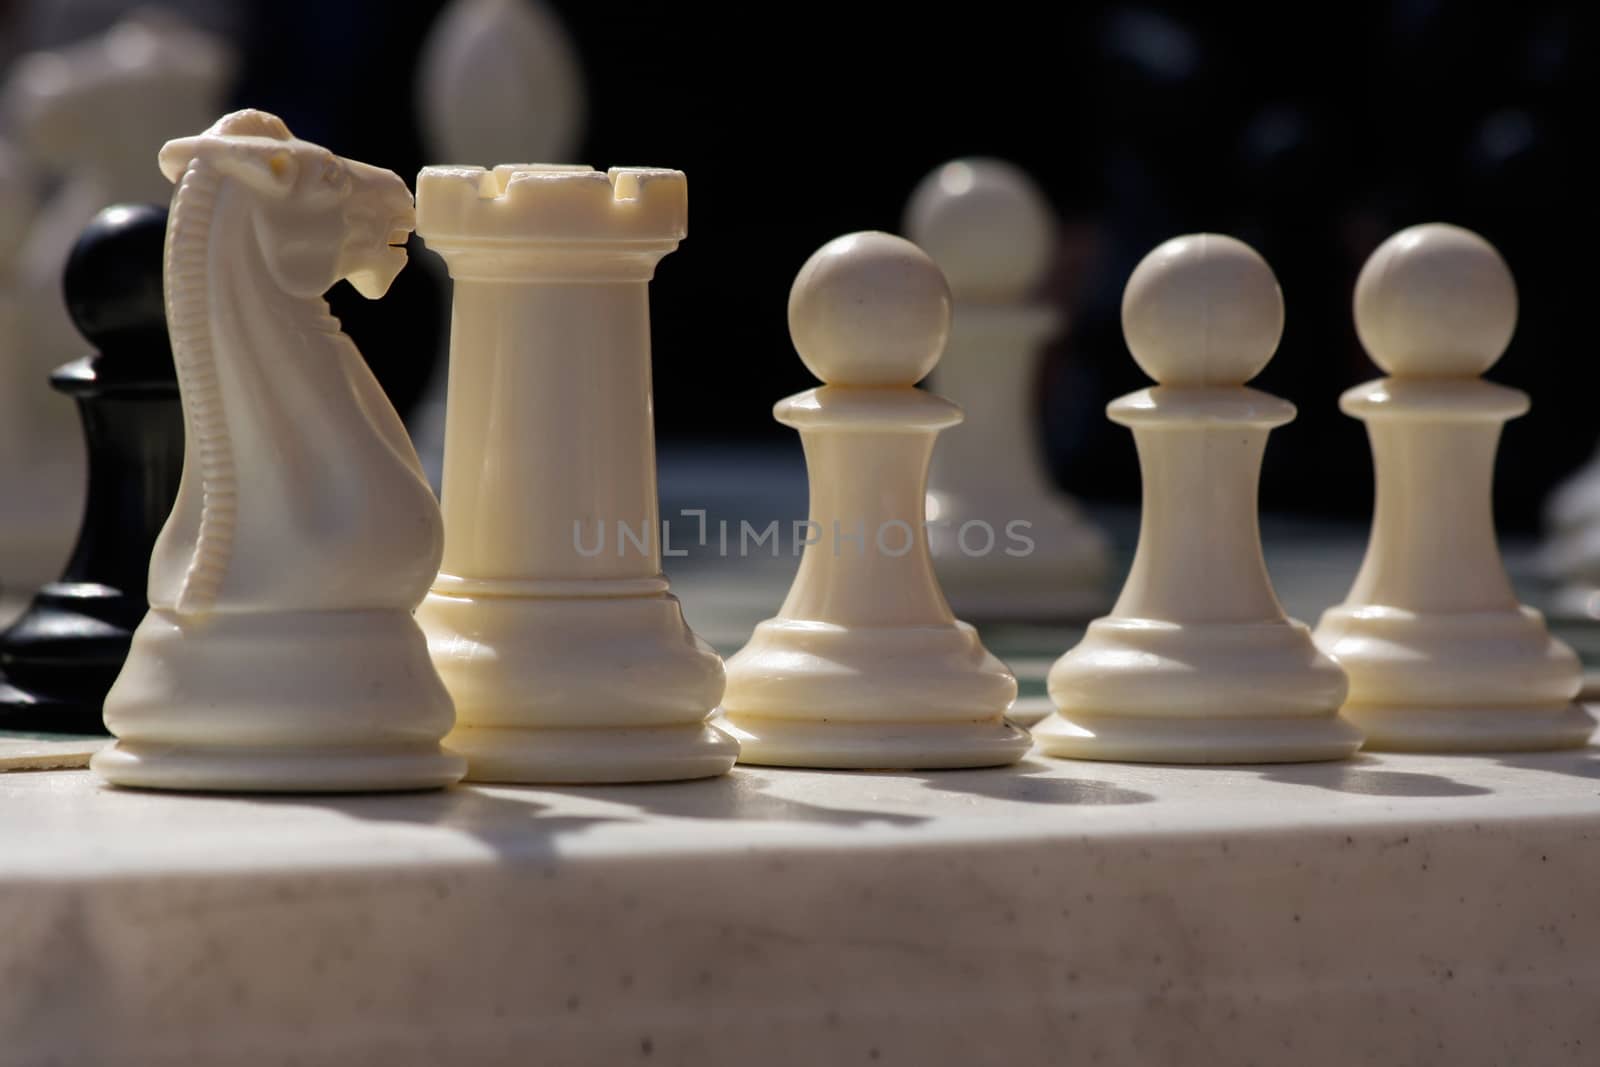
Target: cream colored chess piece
x,y
500,79
1571,551
27,538
1440,654
990,230
94,114
1197,662
497,79
865,666
550,620
280,653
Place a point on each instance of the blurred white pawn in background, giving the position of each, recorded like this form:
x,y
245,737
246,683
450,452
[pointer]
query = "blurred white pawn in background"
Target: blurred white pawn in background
x,y
1571,550
498,80
91,116
1006,542
25,538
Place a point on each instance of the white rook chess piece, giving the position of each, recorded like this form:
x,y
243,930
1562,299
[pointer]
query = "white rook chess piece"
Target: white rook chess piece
x,y
1441,655
550,619
280,652
865,666
990,230
1197,662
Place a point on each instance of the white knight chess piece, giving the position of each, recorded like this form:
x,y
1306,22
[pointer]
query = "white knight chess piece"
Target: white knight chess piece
x,y
280,651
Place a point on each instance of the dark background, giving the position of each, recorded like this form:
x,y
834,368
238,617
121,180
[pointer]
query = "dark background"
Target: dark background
x,y
1311,131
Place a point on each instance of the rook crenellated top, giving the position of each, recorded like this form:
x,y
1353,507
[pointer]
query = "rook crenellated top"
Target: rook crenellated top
x,y
561,204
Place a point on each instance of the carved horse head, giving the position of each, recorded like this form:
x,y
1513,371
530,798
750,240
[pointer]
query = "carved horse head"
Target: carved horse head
x,y
318,217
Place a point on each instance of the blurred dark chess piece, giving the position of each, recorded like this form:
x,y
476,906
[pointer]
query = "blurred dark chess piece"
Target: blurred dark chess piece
x,y
58,660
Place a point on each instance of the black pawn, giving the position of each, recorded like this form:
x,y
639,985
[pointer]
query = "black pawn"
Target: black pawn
x,y
58,660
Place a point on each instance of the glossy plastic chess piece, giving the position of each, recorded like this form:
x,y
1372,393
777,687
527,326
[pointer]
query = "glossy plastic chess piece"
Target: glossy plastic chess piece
x,y
1441,656
1197,662
92,115
60,658
550,620
280,653
865,666
990,230
497,79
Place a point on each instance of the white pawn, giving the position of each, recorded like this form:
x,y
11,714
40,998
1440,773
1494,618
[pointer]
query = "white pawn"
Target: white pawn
x,y
990,230
1197,662
500,79
1571,551
865,666
1441,655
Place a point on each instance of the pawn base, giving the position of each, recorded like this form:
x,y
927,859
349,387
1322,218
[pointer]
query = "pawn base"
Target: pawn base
x,y
808,694
876,746
1487,681
202,768
1152,691
1219,740
28,709
594,755
1469,729
61,656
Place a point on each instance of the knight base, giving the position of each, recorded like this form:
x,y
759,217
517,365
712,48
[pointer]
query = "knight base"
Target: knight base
x,y
293,702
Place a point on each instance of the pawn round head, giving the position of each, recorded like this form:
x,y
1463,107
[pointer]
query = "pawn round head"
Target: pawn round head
x,y
987,226
112,284
1202,310
1435,301
869,309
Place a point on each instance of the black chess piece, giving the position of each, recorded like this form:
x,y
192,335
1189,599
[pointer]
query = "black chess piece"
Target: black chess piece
x,y
58,660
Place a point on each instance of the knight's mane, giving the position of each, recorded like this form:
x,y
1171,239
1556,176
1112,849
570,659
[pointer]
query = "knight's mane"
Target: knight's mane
x,y
188,317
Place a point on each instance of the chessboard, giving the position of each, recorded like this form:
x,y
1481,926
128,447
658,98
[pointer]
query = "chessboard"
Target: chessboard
x,y
1132,913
